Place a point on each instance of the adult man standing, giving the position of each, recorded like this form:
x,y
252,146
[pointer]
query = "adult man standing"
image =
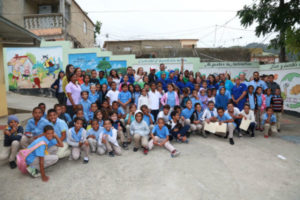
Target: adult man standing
x,y
162,70
238,93
271,84
242,76
130,75
256,82
152,77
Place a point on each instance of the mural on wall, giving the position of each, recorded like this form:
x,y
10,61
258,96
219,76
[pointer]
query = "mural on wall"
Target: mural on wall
x,y
33,67
289,80
90,61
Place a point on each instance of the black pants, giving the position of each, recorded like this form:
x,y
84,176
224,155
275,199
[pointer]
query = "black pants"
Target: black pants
x,y
154,113
70,111
61,97
238,122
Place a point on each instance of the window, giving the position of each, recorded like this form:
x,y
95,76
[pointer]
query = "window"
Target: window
x,y
84,27
127,49
168,47
147,47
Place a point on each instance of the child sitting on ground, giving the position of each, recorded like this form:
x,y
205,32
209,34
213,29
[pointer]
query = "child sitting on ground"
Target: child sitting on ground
x,y
12,136
140,131
77,140
116,123
196,119
165,113
93,137
160,137
177,129
249,115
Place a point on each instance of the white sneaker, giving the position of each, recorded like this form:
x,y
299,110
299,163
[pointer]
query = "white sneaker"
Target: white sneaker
x,y
175,154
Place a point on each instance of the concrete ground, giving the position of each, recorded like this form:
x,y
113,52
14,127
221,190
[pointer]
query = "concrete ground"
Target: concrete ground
x,y
206,169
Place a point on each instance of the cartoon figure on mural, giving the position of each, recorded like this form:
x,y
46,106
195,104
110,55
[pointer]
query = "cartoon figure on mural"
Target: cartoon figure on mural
x,y
49,65
33,67
291,89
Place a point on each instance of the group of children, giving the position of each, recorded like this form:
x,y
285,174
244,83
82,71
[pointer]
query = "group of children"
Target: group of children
x,y
147,117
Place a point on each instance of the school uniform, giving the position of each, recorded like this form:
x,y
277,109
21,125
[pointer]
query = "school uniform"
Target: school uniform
x,y
120,131
221,101
93,97
42,151
160,135
269,127
230,125
170,98
32,130
184,100
59,127
85,87
12,144
125,97
73,140
251,101
194,101
207,114
250,116
277,106
260,105
197,116
111,143
147,120
237,122
93,142
187,113
268,100
86,105
182,129
140,132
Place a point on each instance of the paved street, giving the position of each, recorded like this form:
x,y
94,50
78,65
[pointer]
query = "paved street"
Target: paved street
x,y
252,169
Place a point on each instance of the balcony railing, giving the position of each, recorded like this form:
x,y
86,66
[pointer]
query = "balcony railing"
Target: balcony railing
x,y
43,21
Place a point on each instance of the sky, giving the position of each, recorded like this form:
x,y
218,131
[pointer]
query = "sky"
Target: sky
x,y
213,22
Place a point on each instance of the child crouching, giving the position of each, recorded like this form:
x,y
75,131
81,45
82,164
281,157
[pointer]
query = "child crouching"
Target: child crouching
x,y
140,131
109,138
177,129
160,137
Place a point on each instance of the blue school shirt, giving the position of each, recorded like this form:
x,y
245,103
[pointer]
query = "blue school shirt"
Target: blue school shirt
x,y
90,115
190,85
194,101
200,114
161,133
68,117
124,96
265,117
100,123
251,101
268,100
38,152
103,81
136,97
77,136
96,133
59,127
147,119
221,101
36,129
93,97
164,84
86,105
260,83
259,100
186,113
106,132
85,87
224,117
180,85
121,111
171,99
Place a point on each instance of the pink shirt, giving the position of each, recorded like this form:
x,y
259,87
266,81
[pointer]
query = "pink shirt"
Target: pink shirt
x,y
75,91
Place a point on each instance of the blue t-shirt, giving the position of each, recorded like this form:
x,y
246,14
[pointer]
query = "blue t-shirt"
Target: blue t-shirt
x,y
171,99
136,97
251,101
158,74
268,100
225,117
86,105
265,117
36,129
93,97
103,81
194,101
259,100
121,111
147,119
124,96
38,152
260,83
186,113
96,133
59,127
161,133
85,87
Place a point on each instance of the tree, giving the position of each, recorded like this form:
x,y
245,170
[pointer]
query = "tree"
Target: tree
x,y
293,42
97,29
272,16
103,65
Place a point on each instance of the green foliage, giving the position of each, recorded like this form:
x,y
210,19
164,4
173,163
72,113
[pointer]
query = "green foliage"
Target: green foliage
x,y
31,57
272,16
97,30
103,65
293,41
290,76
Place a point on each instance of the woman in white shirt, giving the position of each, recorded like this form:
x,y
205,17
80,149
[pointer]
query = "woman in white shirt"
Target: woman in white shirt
x,y
138,77
73,90
143,99
248,114
115,77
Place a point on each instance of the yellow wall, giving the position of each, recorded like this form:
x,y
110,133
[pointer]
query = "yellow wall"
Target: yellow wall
x,y
3,103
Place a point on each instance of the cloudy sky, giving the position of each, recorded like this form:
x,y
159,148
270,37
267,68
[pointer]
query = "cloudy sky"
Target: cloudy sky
x,y
213,22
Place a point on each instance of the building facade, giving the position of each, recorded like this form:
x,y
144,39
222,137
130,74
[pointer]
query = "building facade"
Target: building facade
x,y
52,20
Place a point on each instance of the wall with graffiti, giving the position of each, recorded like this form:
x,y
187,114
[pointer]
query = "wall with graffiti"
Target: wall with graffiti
x,y
90,61
287,75
32,67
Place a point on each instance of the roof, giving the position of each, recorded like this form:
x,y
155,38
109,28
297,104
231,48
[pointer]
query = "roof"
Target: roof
x,y
20,59
117,41
12,34
84,12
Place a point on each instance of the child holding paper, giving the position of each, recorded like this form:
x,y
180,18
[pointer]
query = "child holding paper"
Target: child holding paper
x,y
248,114
226,118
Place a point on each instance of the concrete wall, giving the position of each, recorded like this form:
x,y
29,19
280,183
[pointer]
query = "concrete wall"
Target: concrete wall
x,y
9,7
3,103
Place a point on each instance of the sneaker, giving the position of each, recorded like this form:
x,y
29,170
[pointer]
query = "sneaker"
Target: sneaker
x,y
111,154
125,146
135,149
175,153
266,136
146,151
231,141
204,134
33,172
12,164
85,160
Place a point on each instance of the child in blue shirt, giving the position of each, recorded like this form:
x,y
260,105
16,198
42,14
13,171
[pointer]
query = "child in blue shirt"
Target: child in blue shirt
x,y
226,118
124,98
177,129
110,139
196,120
116,123
187,113
66,115
86,85
269,122
160,137
268,97
93,95
86,104
222,99
12,136
39,159
195,98
148,117
93,137
42,106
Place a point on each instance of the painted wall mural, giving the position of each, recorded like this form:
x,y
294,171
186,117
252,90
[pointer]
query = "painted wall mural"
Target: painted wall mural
x,y
33,67
90,61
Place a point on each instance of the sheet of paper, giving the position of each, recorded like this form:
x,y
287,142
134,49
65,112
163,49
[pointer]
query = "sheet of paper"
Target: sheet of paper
x,y
245,124
221,128
210,127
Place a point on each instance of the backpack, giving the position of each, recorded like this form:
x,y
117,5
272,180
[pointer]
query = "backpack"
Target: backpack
x,y
22,155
